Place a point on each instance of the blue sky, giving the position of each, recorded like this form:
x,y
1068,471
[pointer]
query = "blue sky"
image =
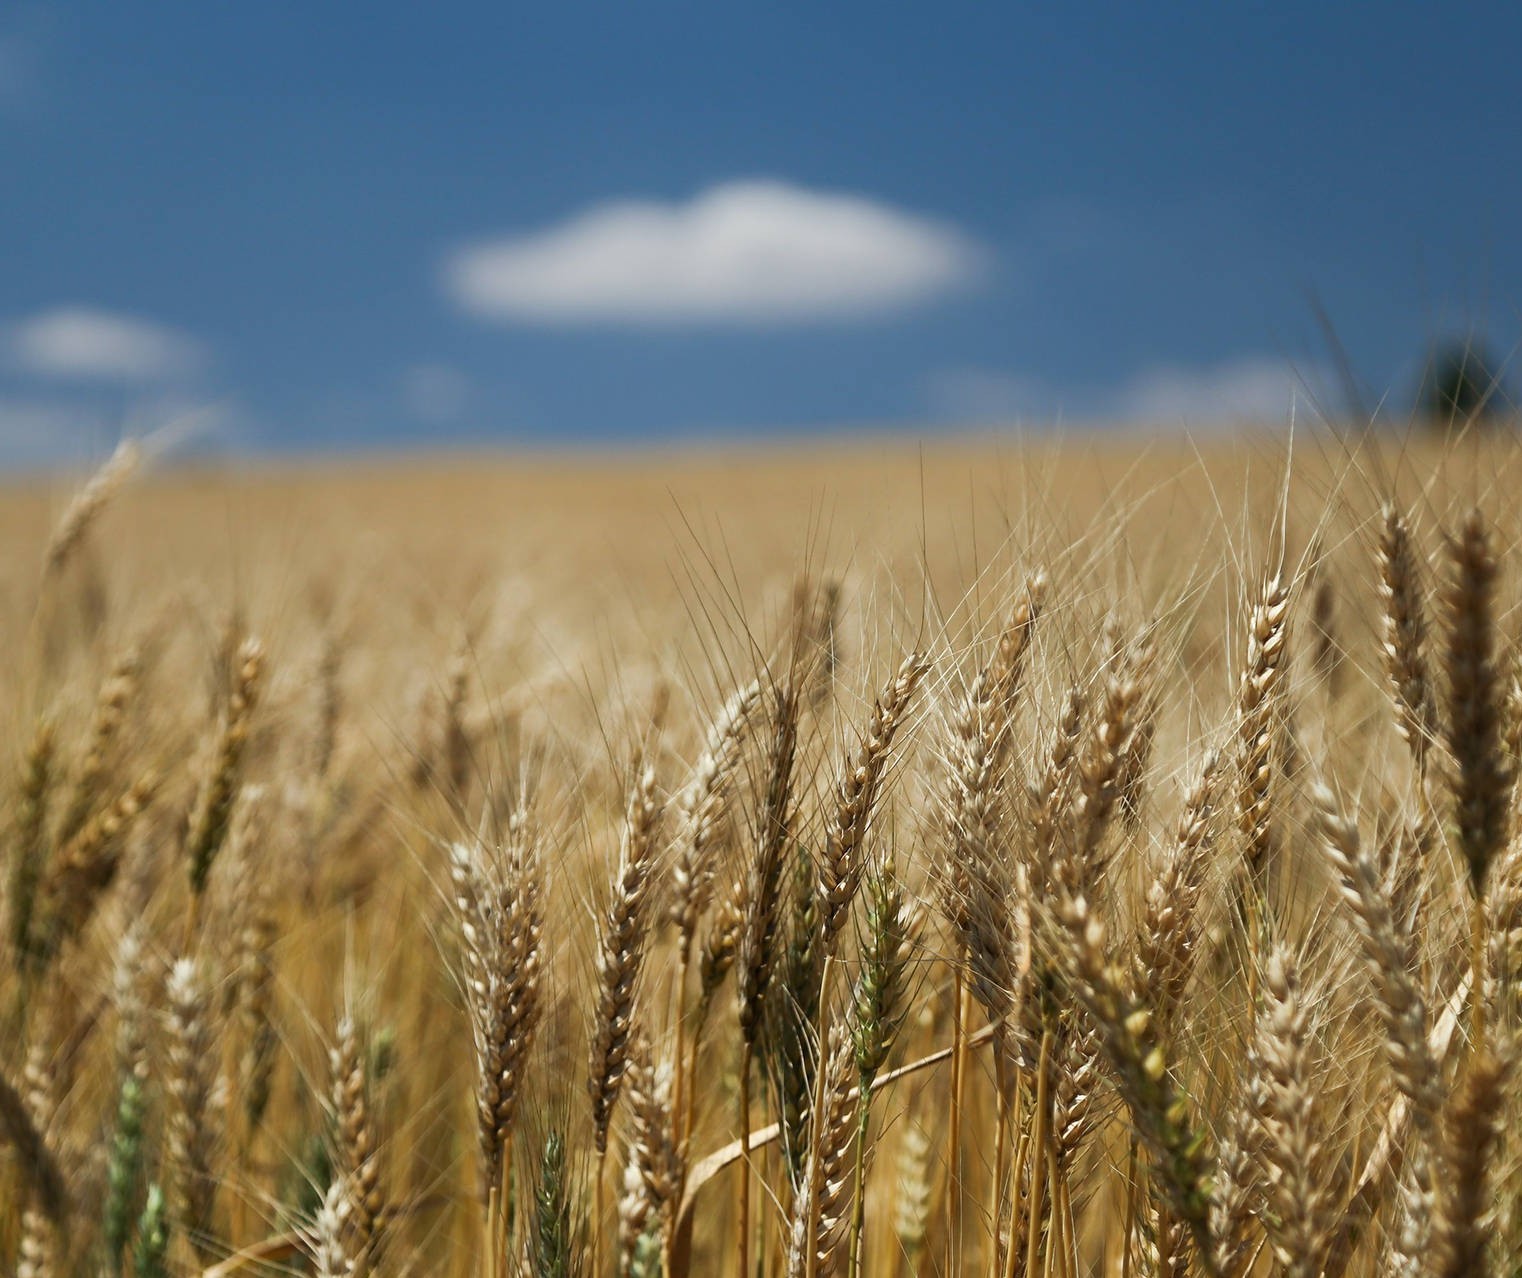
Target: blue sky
x,y
322,226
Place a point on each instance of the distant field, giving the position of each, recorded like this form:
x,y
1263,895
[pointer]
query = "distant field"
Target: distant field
x,y
441,527
432,865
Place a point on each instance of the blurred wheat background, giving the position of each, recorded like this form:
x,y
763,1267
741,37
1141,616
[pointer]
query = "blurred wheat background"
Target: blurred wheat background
x,y
1055,858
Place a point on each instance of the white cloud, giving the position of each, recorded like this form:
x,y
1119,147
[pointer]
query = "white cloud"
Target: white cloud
x,y
41,431
1253,388
80,343
435,393
981,395
752,252
57,430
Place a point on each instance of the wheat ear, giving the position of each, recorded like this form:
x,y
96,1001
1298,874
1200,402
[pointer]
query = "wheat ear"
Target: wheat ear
x,y
703,806
652,1169
1257,722
1102,758
111,706
1171,924
24,1136
360,1162
1139,1064
620,961
1404,638
856,793
877,1011
209,825
1461,1231
454,745
35,1251
817,1225
757,918
89,502
1299,1223
85,867
192,1066
331,1226
499,912
1389,951
30,853
124,1170
621,951
253,985
150,1254
1481,781
329,707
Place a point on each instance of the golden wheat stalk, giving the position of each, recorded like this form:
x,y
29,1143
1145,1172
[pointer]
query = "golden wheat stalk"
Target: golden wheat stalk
x,y
192,1135
621,950
498,907
856,791
86,507
359,1160
210,822
1258,712
1404,637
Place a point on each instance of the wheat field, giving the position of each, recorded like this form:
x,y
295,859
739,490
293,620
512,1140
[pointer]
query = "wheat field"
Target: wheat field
x,y
991,858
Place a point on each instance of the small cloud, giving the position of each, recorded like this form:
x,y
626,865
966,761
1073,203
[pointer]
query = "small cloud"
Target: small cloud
x,y
57,430
37,432
79,343
742,253
435,393
1256,388
177,427
984,396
